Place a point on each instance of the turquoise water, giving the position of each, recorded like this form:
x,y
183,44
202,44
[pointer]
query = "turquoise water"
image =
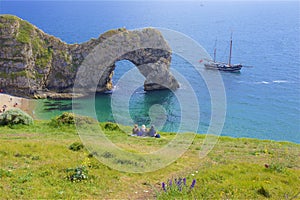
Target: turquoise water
x,y
262,102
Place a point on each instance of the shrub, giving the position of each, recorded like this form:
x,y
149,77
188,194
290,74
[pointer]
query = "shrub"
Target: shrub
x,y
65,118
76,146
92,154
264,192
107,154
109,126
77,174
14,117
68,118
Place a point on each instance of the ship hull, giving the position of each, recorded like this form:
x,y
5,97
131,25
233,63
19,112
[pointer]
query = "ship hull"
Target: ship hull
x,y
223,67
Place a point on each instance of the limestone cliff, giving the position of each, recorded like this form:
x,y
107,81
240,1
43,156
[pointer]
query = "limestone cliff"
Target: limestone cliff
x,y
35,64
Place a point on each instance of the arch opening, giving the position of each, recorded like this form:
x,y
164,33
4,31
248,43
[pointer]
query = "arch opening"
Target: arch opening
x,y
153,64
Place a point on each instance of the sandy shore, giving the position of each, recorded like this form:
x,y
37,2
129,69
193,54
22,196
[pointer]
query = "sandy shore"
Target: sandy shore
x,y
24,104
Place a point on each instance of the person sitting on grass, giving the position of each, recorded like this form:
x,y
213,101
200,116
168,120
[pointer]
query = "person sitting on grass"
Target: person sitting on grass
x,y
144,130
152,131
135,130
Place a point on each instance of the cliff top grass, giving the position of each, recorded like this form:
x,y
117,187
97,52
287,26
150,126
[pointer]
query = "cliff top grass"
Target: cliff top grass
x,y
25,30
48,160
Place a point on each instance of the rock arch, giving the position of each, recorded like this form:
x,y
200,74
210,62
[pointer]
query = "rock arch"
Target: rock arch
x,y
145,48
40,65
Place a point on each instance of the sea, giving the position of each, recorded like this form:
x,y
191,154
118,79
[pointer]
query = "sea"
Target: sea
x,y
262,101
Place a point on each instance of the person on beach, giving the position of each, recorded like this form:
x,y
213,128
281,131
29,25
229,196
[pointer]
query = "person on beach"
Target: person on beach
x,y
4,108
135,130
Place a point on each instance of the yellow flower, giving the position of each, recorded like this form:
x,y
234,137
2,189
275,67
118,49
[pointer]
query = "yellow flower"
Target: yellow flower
x,y
221,193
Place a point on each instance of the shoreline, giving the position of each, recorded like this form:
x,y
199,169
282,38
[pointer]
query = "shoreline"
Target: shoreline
x,y
11,102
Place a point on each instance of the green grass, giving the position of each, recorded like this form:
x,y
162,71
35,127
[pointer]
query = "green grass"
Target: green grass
x,y
36,162
43,54
25,32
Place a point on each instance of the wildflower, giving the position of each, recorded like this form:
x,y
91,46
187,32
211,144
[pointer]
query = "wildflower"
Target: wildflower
x,y
193,184
196,172
179,184
221,193
184,181
163,185
193,174
170,182
266,150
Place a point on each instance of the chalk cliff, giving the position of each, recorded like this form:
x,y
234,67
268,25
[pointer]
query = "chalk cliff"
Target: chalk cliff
x,y
35,64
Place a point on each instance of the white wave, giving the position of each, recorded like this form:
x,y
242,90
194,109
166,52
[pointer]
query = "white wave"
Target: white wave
x,y
280,81
141,92
262,82
112,90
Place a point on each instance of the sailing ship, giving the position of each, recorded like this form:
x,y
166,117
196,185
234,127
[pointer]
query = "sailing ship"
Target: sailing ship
x,y
228,67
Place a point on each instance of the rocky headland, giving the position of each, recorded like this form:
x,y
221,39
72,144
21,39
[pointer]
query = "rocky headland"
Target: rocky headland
x,y
37,65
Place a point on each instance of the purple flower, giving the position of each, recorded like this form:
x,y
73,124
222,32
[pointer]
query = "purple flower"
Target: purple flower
x,y
163,185
193,184
184,181
179,184
170,182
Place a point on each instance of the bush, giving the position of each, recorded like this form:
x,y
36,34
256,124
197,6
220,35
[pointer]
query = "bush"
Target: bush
x,y
77,174
76,146
264,192
67,118
107,154
14,117
109,126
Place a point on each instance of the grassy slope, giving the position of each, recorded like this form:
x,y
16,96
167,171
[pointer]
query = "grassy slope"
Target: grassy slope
x,y
33,162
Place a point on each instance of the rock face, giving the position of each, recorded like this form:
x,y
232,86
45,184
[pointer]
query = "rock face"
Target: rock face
x,y
35,64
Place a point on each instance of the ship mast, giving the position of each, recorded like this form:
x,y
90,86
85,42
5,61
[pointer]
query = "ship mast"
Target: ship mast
x,y
229,61
215,51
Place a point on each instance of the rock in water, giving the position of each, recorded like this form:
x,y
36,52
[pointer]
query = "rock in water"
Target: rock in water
x,y
35,64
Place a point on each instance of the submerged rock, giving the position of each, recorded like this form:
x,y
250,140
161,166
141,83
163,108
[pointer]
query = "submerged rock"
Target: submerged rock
x,y
35,64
